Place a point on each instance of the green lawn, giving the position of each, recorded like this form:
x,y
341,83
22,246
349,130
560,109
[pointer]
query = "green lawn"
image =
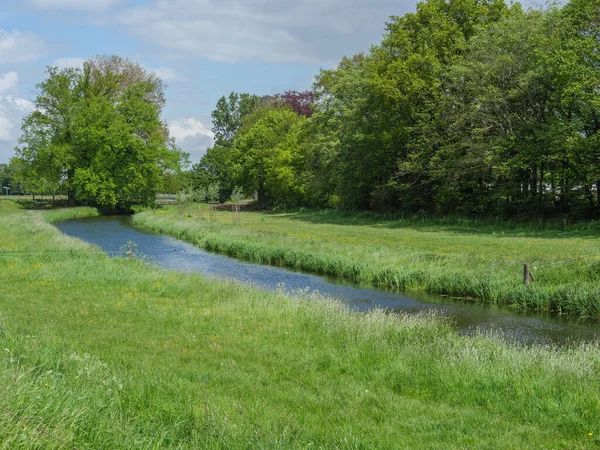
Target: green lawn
x,y
480,261
107,353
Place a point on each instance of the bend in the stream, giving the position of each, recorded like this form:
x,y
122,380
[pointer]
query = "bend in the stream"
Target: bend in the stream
x,y
111,233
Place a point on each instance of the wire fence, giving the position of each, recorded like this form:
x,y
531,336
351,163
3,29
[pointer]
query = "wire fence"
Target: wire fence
x,y
33,197
475,219
62,253
564,261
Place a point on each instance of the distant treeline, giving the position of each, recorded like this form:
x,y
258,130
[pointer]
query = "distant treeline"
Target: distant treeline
x,y
466,106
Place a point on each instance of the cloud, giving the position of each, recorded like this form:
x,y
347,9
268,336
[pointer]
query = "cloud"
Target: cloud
x,y
273,31
18,46
167,74
12,110
192,136
6,126
81,5
18,103
183,128
8,82
63,63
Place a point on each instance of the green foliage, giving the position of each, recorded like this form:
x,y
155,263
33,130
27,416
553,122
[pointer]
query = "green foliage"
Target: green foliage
x,y
466,106
201,195
216,165
237,195
6,178
184,197
266,156
229,114
212,193
99,132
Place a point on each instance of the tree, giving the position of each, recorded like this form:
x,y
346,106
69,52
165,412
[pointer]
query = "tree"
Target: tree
x,y
215,166
229,113
6,178
46,148
302,103
266,156
383,99
99,131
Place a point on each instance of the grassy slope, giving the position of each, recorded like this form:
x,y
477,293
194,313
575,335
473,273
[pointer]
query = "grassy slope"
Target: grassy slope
x,y
469,261
109,353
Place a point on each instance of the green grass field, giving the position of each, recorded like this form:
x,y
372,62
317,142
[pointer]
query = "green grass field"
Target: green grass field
x,y
100,353
464,259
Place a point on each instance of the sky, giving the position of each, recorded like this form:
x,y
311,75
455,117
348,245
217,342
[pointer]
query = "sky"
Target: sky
x,y
202,49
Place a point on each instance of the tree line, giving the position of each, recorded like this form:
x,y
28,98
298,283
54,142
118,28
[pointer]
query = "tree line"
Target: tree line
x,y
466,106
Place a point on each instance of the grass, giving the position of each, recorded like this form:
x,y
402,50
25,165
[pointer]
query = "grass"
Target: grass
x,y
461,259
111,354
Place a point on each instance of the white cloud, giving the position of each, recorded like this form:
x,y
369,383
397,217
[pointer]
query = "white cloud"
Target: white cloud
x,y
183,128
63,63
12,110
8,82
272,31
166,74
192,136
18,46
87,5
20,103
23,103
6,126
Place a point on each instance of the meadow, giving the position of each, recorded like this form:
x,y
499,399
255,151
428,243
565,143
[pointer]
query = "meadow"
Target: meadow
x,y
479,260
112,354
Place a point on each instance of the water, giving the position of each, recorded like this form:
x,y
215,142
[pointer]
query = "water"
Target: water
x,y
112,233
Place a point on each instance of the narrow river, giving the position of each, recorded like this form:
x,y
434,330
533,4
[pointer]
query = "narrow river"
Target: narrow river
x,y
112,233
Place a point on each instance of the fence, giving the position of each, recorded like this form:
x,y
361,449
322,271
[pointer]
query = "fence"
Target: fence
x,y
33,197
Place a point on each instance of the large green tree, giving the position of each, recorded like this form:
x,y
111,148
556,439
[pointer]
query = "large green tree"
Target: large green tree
x,y
266,156
384,99
99,131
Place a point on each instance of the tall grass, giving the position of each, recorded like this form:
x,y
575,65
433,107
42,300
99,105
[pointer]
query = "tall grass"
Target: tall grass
x,y
110,353
466,262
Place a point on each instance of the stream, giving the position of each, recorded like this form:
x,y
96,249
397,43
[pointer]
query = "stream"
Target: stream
x,y
111,233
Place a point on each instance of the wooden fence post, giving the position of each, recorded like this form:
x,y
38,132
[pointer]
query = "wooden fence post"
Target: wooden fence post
x,y
526,275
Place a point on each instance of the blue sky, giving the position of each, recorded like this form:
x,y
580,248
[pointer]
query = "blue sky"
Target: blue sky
x,y
202,49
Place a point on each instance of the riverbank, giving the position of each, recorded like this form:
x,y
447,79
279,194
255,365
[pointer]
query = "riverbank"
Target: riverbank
x,y
482,263
111,353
